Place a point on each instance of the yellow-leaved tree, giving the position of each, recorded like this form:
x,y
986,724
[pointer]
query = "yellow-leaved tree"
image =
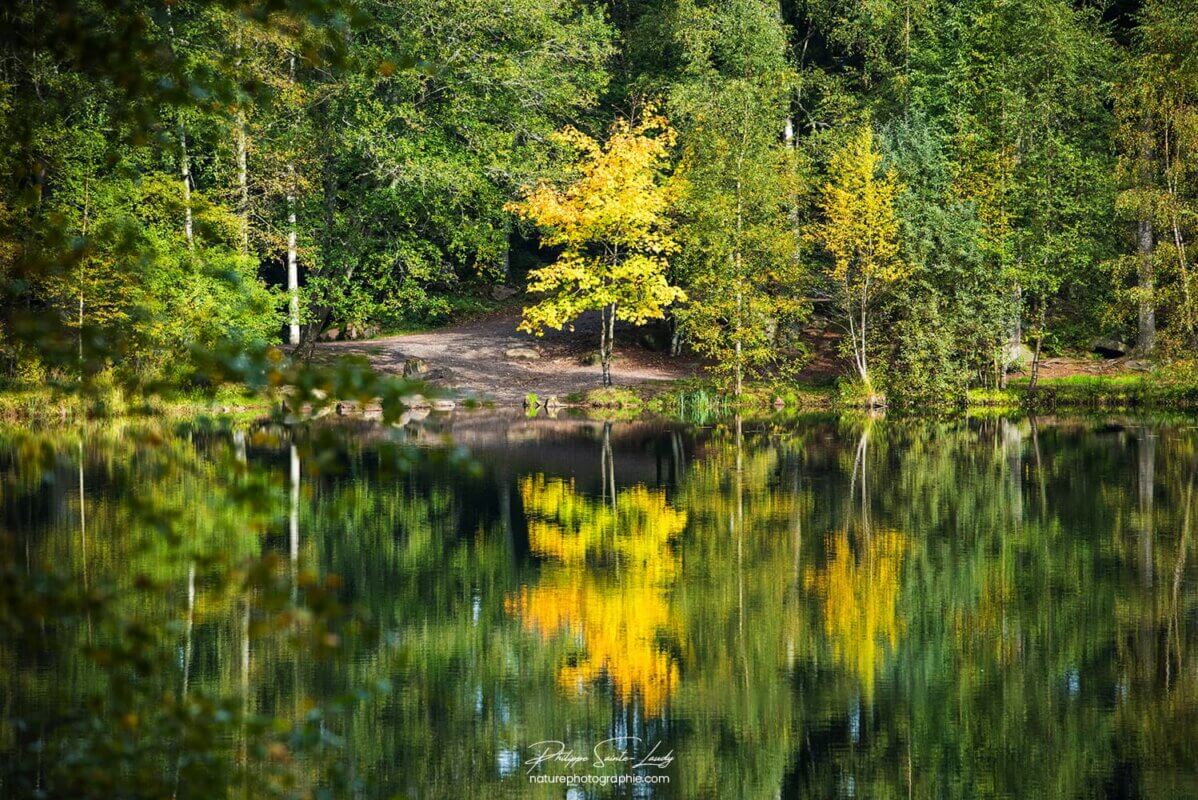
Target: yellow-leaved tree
x,y
610,221
859,229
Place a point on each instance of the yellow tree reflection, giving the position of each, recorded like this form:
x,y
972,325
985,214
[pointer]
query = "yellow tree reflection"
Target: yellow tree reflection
x,y
607,588
859,597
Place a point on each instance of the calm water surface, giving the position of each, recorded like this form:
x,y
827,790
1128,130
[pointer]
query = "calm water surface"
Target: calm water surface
x,y
821,608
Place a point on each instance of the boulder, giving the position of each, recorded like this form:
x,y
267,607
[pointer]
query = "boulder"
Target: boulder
x,y
358,330
521,354
1019,357
414,367
1109,348
502,293
372,408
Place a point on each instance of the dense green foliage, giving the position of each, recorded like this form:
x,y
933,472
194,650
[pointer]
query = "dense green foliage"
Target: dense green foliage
x,y
374,145
176,175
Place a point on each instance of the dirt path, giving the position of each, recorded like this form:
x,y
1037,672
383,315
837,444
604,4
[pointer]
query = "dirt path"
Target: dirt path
x,y
481,358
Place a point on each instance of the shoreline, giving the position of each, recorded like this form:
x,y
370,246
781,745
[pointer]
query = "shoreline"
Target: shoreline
x,y
683,400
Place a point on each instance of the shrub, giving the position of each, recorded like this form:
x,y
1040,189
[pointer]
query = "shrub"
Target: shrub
x,y
926,370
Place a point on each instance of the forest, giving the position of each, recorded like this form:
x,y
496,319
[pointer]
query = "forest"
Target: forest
x,y
958,188
217,198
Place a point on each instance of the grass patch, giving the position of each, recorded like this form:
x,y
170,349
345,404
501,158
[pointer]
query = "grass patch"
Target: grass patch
x,y
24,403
689,401
700,401
994,398
1175,386
42,403
614,397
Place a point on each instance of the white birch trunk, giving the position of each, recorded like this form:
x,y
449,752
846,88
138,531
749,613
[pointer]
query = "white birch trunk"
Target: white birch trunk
x,y
292,268
185,170
243,183
184,162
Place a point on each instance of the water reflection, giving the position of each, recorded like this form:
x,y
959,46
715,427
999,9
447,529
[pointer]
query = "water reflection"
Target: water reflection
x,y
858,595
613,564
871,608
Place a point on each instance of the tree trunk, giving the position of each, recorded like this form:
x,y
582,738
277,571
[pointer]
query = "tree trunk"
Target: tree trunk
x,y
84,230
185,173
184,162
606,337
1031,386
292,276
1188,307
1145,243
1179,245
241,147
292,267
863,352
1016,342
739,370
675,333
320,313
738,267
603,343
1146,336
243,182
611,339
507,251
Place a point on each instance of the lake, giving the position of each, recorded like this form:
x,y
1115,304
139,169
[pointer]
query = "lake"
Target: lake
x,y
486,606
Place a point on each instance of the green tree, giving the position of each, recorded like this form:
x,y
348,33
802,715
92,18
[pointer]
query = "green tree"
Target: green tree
x,y
446,113
951,306
1032,143
740,181
1157,106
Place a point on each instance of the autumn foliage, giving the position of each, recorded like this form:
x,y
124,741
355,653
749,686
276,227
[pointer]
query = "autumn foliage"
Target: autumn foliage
x,y
610,219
